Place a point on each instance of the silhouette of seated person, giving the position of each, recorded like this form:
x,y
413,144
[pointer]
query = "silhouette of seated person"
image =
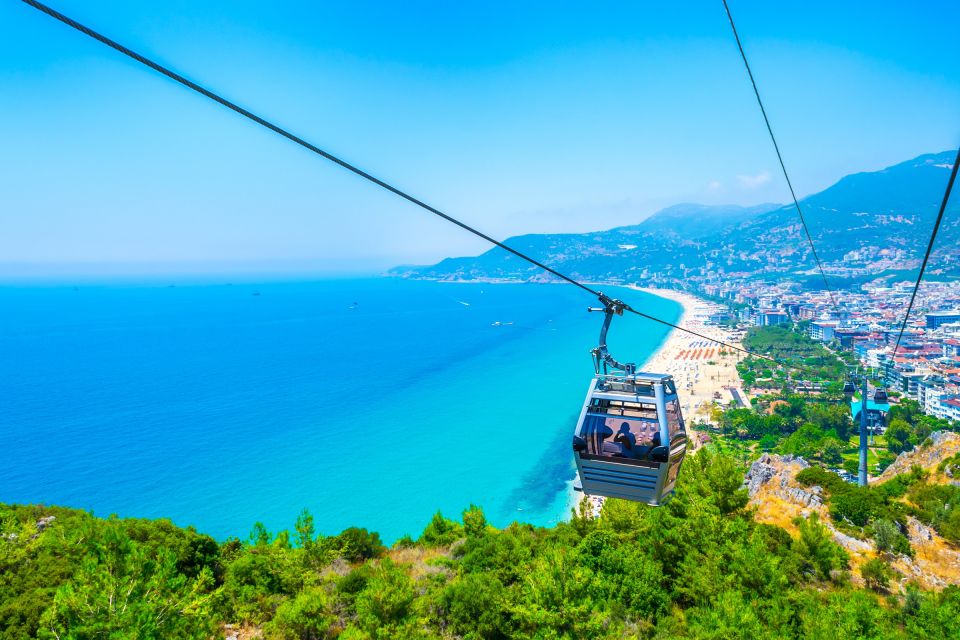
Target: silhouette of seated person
x,y
596,433
657,452
627,441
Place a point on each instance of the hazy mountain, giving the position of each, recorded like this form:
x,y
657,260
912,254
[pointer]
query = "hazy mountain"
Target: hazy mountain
x,y
864,224
694,221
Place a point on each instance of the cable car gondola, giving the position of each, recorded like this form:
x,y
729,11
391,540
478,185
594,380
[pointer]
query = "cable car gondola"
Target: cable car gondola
x,y
880,396
630,439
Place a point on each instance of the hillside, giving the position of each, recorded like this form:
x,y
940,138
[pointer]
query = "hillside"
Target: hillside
x,y
938,449
864,224
702,566
780,499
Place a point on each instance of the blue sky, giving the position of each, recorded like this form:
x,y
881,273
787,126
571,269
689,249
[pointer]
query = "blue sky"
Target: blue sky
x,y
516,117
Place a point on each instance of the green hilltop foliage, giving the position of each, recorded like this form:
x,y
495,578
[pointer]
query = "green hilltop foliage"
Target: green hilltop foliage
x,y
798,357
698,567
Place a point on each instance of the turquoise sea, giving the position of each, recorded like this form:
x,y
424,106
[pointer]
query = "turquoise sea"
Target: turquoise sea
x,y
372,402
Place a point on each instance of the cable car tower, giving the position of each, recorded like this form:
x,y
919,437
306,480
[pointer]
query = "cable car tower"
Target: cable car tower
x,y
879,398
630,439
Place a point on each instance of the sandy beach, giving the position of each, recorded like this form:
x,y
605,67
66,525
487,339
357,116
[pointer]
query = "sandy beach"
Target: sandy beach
x,y
704,371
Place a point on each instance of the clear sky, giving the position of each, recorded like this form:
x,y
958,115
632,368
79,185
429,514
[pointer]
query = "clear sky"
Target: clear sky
x,y
516,117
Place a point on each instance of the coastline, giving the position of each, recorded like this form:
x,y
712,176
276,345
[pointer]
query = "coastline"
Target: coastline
x,y
704,371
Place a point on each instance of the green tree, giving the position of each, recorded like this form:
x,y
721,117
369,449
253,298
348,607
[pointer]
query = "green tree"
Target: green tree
x,y
441,531
877,574
307,616
474,521
819,555
555,600
385,605
805,441
121,590
282,541
716,478
357,544
858,505
582,519
769,442
832,452
898,436
885,534
477,606
830,417
259,536
305,530
851,466
906,410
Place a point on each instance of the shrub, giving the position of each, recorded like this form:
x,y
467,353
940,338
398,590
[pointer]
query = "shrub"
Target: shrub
x,y
304,617
877,574
441,531
818,476
857,505
386,601
936,505
818,553
768,442
358,544
884,534
475,607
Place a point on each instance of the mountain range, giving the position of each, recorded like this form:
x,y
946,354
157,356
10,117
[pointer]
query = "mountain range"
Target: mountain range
x,y
865,225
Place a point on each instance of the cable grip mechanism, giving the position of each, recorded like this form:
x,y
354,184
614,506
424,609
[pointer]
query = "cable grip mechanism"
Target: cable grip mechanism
x,y
602,359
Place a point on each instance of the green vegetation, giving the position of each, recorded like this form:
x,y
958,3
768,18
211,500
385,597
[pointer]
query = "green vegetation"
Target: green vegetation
x,y
798,425
698,567
880,511
937,505
877,574
867,512
797,355
908,427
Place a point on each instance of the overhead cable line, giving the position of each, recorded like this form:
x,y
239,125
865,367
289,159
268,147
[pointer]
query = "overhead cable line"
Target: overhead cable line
x,y
783,167
926,256
350,167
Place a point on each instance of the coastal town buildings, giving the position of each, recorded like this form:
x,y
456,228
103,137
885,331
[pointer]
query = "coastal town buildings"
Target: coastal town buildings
x,y
867,322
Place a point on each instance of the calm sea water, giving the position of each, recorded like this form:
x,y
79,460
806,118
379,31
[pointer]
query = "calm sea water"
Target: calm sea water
x,y
372,402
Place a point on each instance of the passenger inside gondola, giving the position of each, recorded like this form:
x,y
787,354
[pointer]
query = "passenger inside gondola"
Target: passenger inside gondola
x,y
627,440
632,438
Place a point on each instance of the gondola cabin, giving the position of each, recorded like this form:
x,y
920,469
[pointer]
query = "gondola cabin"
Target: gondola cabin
x,y
630,440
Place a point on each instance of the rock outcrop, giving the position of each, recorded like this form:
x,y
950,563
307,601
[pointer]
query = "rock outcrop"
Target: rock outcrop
x,y
776,473
938,447
779,499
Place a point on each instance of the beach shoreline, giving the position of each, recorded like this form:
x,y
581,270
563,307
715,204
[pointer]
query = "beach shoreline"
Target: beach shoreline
x,y
704,371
